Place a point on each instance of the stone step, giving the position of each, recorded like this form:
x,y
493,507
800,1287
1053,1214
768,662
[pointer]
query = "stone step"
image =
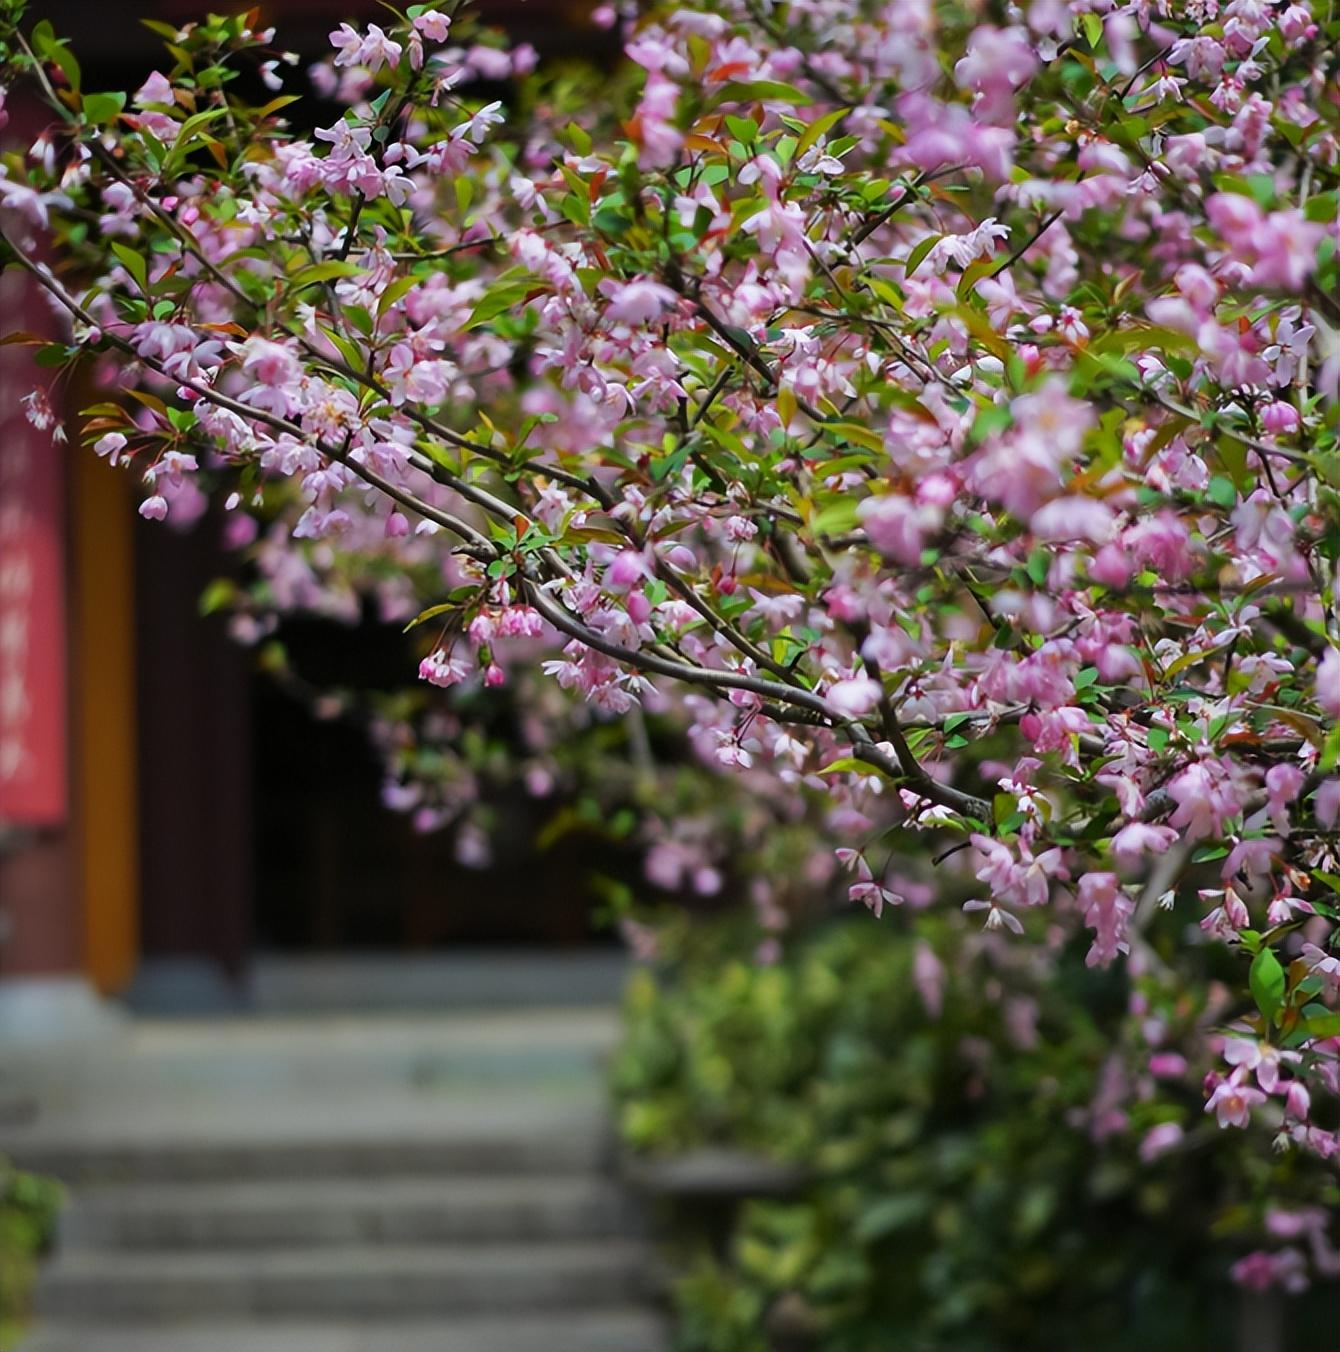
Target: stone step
x,y
346,1211
359,1281
528,1141
612,1330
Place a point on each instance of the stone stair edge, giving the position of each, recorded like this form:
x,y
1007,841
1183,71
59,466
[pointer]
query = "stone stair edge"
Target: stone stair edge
x,y
448,1280
615,1328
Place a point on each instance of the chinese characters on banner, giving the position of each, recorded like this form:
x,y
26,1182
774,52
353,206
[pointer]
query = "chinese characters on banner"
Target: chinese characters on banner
x,y
32,586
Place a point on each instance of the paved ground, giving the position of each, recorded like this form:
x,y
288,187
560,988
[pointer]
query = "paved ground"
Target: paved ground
x,y
372,1184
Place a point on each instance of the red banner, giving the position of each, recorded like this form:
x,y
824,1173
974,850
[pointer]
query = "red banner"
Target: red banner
x,y
33,790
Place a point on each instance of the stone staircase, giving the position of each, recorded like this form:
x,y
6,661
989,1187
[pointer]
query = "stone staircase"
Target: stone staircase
x,y
437,1184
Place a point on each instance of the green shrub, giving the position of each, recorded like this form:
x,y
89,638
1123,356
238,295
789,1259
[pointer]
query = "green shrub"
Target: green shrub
x,y
974,1177
29,1205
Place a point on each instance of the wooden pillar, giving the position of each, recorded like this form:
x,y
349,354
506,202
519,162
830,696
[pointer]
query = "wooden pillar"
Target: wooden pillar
x,y
104,719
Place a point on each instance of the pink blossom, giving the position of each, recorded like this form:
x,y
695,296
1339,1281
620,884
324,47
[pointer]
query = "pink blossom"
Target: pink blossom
x,y
1232,1103
1167,1065
899,527
1260,1270
1322,964
1249,1055
1297,1100
659,137
1107,911
347,41
1025,469
1137,839
1162,544
442,669
433,24
27,206
997,917
739,529
156,89
1286,250
1053,729
648,365
870,893
1326,802
270,363
627,570
1253,858
928,976
374,50
1281,246
476,127
1279,419
1159,1140
854,697
1073,518
1204,798
637,302
1328,682
111,445
1284,782
998,62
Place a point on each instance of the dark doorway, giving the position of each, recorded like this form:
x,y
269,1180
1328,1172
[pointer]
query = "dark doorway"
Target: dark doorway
x,y
336,869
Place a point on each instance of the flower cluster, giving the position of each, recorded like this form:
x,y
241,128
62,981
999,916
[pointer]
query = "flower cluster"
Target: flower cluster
x,y
940,413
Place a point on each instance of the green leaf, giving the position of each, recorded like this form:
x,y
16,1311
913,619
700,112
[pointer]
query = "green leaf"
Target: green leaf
x,y
133,262
835,517
1233,457
275,104
849,765
321,272
1324,208
49,48
1222,493
350,351
217,596
667,466
100,108
500,299
990,420
819,128
579,138
859,433
1266,980
1209,853
189,133
431,613
398,289
53,355
1093,29
764,89
1321,1025
918,255
887,1214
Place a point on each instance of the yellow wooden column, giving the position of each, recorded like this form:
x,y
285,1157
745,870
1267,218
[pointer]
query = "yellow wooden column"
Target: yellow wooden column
x,y
102,686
